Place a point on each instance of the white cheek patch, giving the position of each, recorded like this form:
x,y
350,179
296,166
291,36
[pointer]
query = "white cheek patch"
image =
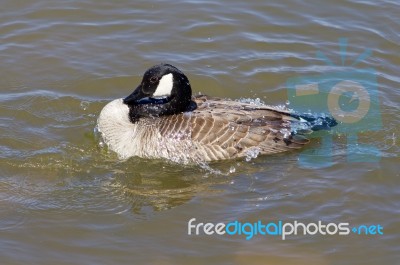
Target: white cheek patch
x,y
164,87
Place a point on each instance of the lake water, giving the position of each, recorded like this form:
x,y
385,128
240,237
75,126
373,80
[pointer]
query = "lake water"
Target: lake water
x,y
64,199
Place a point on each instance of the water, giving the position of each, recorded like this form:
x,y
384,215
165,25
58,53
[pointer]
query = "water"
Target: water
x,y
64,199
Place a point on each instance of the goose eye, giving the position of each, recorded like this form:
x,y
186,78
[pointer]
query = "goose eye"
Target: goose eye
x,y
153,79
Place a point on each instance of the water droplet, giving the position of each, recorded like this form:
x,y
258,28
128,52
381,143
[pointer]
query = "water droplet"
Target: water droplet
x,y
285,132
84,105
252,153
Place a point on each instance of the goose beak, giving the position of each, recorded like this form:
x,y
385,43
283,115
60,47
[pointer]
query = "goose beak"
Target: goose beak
x,y
138,97
135,97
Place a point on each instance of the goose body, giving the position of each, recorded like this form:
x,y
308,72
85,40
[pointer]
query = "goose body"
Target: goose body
x,y
161,119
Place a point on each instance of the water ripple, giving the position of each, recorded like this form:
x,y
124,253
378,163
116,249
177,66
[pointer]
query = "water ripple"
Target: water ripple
x,y
62,62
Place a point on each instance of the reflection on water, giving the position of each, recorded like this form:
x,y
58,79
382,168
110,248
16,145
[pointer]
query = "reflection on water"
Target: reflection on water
x,y
161,185
63,196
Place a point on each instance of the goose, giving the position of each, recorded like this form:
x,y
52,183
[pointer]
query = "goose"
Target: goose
x,y
161,119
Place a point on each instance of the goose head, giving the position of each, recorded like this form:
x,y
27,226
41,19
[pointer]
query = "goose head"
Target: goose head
x,y
164,90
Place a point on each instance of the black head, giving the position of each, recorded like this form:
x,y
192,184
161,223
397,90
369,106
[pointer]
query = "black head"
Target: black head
x,y
164,90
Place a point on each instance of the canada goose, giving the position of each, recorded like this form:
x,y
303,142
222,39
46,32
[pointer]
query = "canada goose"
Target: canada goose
x,y
161,119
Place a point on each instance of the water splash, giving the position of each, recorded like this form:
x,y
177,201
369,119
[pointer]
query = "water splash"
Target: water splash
x,y
98,137
310,121
84,105
285,132
255,102
252,153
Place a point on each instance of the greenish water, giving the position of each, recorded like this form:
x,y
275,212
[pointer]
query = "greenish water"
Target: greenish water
x,y
64,199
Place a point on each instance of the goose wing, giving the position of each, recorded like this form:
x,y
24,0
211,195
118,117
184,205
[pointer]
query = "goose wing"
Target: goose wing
x,y
223,129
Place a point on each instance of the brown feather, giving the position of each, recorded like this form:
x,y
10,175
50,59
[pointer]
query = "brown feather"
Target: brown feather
x,y
223,129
